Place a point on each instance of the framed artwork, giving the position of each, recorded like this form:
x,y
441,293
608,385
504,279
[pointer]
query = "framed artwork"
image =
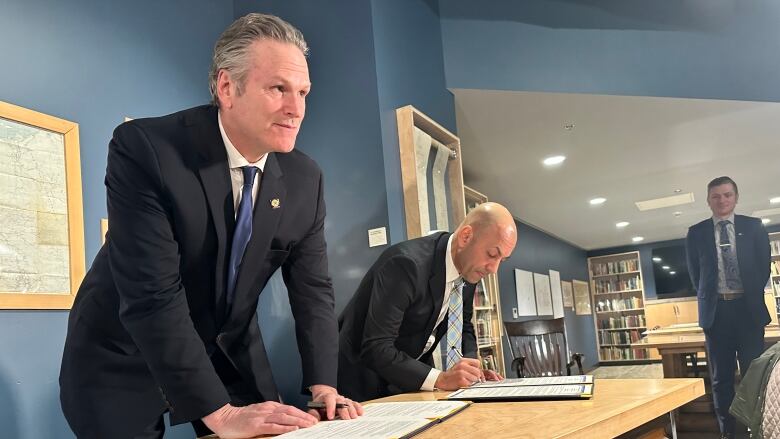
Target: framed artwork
x,y
581,297
568,295
557,294
42,238
524,290
544,306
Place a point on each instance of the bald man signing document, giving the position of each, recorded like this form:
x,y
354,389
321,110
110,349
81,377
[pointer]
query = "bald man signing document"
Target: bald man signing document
x,y
413,304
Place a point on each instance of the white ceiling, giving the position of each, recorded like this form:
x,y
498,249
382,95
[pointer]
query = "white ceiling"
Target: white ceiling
x,y
623,148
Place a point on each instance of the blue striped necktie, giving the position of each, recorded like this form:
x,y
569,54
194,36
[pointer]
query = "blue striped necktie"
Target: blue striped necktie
x,y
242,233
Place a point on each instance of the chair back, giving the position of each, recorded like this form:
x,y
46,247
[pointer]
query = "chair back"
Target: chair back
x,y
538,347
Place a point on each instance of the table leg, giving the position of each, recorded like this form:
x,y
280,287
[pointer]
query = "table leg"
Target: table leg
x,y
674,423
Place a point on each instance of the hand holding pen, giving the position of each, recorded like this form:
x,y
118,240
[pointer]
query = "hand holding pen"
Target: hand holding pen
x,y
461,357
464,373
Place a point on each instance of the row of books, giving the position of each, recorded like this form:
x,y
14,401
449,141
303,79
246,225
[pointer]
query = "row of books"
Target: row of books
x,y
619,337
616,353
775,266
775,246
618,322
480,295
619,304
484,326
611,285
615,267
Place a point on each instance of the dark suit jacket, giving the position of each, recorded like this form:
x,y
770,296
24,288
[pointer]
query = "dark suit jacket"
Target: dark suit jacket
x,y
752,255
151,309
387,322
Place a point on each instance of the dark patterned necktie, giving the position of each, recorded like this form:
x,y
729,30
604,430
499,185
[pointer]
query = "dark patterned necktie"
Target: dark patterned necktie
x,y
730,264
243,232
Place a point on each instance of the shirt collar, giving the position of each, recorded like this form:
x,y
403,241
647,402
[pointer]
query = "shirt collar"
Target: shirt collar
x,y
716,219
235,159
451,273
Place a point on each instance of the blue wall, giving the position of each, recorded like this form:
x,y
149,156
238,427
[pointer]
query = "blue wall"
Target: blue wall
x,y
410,71
720,49
539,252
93,63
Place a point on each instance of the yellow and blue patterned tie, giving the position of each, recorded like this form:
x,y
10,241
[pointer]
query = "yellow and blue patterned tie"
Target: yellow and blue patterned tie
x,y
454,323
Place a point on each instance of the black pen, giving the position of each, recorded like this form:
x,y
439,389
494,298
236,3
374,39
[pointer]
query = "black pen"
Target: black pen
x,y
321,405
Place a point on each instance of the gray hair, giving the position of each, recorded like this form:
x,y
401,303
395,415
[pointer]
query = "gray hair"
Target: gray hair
x,y
232,50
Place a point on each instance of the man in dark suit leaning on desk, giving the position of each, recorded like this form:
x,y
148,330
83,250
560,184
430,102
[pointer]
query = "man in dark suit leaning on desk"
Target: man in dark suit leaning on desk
x,y
728,259
204,206
413,297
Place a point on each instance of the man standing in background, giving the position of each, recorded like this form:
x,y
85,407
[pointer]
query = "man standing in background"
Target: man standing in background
x,y
728,260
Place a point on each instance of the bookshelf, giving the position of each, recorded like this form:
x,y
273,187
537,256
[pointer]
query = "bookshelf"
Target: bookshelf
x,y
618,306
774,276
486,318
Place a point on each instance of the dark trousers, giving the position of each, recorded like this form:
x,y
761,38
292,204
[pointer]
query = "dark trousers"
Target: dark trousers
x,y
733,336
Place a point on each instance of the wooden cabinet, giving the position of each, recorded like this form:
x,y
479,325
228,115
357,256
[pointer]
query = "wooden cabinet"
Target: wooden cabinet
x,y
618,306
664,313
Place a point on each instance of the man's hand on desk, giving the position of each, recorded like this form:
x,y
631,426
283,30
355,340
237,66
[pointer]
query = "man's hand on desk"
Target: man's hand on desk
x,y
465,373
257,419
492,376
329,395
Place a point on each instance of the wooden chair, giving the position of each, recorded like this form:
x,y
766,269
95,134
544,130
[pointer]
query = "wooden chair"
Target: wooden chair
x,y
539,348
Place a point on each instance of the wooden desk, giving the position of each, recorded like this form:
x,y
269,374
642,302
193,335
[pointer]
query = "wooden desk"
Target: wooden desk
x,y
617,407
673,343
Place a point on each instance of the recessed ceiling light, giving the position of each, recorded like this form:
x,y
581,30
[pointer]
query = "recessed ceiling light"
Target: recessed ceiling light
x,y
665,267
638,238
775,200
672,272
622,224
765,220
554,160
678,213
598,200
657,259
677,191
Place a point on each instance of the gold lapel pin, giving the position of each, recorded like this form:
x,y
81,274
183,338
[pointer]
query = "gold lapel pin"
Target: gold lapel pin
x,y
275,204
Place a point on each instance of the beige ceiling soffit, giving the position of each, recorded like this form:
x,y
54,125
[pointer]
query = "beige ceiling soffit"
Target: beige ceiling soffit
x,y
766,212
660,203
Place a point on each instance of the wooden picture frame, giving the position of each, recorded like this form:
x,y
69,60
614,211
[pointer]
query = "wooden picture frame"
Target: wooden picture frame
x,y
20,131
409,119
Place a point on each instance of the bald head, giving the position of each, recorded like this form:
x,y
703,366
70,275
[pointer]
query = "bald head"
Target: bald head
x,y
486,237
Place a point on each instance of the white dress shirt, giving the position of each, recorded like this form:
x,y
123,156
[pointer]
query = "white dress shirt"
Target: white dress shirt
x,y
236,161
450,276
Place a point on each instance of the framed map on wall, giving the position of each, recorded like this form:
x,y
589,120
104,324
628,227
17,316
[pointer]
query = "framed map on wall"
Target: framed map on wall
x,y
42,233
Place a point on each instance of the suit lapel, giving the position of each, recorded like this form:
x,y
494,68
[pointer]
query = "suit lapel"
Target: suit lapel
x,y
739,237
215,178
437,281
709,239
268,209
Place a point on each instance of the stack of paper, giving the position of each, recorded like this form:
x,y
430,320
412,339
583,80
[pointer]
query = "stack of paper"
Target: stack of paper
x,y
559,387
384,420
